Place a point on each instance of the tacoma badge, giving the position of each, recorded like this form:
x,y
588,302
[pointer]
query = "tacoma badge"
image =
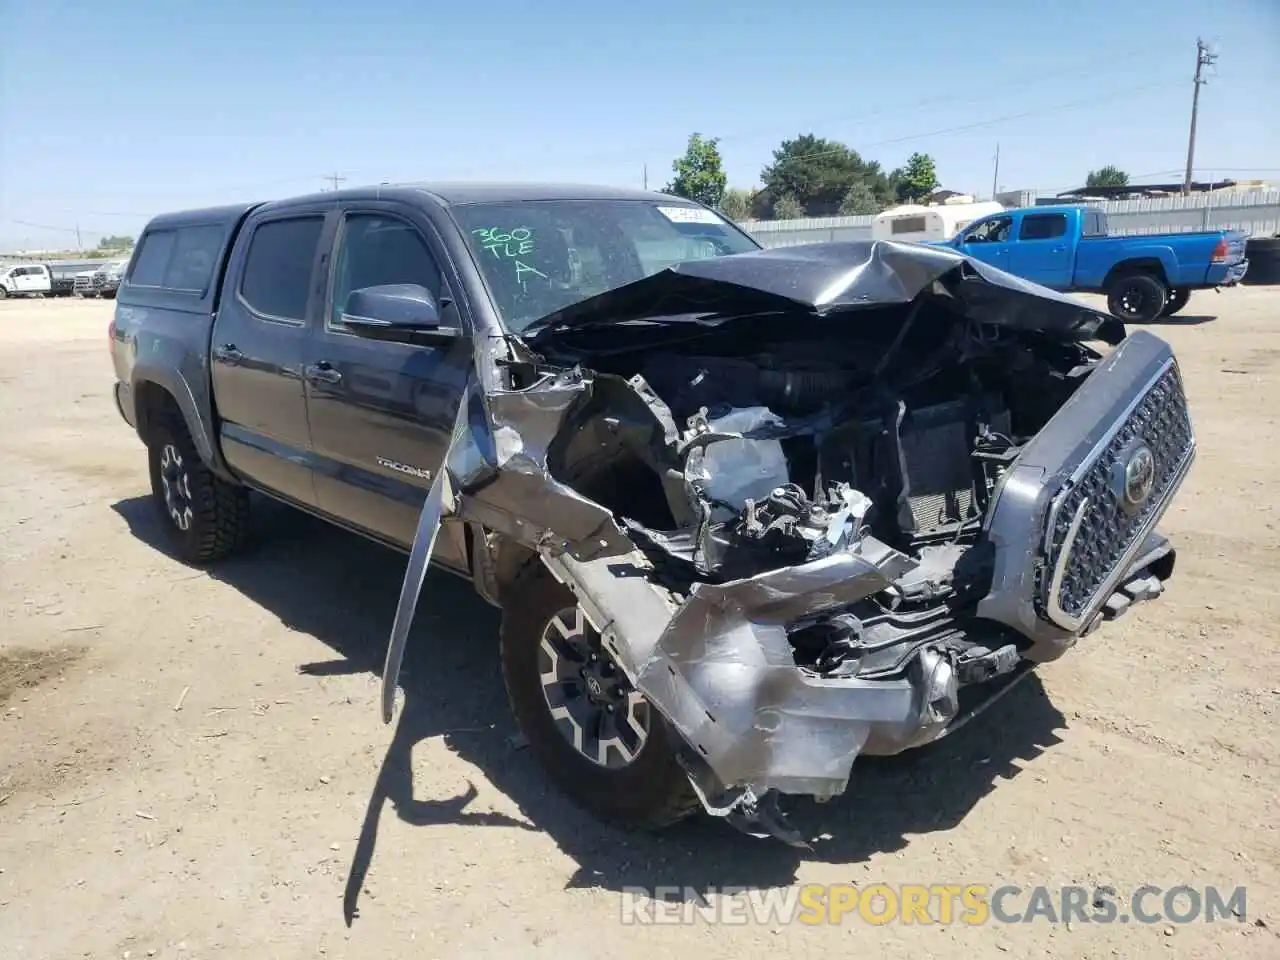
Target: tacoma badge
x,y
404,468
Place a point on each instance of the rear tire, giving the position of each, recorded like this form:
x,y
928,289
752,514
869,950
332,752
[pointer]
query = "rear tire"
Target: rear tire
x,y
651,790
1177,300
204,517
1137,297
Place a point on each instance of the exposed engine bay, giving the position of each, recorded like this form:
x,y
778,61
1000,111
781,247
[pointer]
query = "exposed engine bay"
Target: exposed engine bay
x,y
825,501
789,450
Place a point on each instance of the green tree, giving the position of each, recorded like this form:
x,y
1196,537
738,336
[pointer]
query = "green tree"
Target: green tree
x,y
860,200
116,242
699,173
818,173
736,204
916,180
787,207
1108,176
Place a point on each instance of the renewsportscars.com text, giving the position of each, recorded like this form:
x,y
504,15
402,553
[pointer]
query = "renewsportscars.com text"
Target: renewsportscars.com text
x,y
939,903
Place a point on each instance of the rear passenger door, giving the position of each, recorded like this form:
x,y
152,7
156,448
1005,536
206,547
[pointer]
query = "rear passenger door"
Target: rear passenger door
x,y
1042,253
274,289
382,413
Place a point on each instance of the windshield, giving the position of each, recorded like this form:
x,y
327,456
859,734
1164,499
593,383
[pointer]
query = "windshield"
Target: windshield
x,y
540,256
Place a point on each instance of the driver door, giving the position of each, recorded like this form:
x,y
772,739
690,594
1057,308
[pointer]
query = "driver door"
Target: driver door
x,y
382,413
988,241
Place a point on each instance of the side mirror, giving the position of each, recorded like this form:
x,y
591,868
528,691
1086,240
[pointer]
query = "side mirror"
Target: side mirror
x,y
398,312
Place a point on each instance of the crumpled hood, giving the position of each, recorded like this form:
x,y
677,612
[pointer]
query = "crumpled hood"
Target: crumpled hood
x,y
835,278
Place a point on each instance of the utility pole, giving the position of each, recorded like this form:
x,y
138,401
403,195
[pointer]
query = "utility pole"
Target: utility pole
x,y
336,180
995,175
1203,59
646,176
79,245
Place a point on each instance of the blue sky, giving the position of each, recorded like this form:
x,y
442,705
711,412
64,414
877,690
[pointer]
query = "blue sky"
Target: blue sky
x,y
112,111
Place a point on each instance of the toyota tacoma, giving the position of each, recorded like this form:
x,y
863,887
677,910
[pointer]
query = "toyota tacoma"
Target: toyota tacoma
x,y
747,514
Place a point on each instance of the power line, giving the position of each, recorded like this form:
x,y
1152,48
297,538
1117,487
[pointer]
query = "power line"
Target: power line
x,y
336,180
45,226
996,85
976,125
1070,105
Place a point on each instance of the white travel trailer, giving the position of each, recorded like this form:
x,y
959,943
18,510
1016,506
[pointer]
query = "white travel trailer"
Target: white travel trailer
x,y
937,222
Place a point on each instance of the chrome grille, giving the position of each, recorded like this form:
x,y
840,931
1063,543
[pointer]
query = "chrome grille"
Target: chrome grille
x,y
1092,533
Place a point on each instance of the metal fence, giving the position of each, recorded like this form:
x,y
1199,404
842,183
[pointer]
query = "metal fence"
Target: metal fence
x,y
1256,212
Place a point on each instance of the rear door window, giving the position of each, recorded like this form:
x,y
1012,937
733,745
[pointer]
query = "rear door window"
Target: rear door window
x,y
276,282
1043,226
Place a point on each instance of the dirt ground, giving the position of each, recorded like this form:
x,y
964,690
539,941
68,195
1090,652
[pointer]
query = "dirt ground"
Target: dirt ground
x,y
192,763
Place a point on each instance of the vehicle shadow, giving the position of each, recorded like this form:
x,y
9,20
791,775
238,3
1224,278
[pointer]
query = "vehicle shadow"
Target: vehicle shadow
x,y
452,689
1180,320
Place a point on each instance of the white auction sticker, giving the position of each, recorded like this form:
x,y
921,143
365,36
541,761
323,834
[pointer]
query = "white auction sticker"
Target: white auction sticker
x,y
689,215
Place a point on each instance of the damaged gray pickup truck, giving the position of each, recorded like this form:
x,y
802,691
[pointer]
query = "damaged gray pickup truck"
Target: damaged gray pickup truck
x,y
747,513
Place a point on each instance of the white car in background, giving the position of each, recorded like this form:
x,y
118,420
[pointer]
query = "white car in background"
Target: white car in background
x,y
25,280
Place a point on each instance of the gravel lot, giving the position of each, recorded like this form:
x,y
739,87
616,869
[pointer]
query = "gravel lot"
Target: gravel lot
x,y
192,763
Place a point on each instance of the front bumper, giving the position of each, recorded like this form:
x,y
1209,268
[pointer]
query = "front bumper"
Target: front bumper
x,y
98,285
1068,554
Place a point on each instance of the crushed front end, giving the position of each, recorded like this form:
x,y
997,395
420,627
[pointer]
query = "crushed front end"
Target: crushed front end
x,y
828,501
778,679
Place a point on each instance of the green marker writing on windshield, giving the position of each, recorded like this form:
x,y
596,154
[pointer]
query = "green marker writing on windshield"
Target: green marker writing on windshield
x,y
506,244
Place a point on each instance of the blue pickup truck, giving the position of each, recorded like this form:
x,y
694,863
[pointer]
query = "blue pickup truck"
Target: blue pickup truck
x,y
1067,248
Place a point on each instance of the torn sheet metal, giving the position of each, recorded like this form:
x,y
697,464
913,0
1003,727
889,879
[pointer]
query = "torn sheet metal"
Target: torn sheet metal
x,y
495,473
500,468
720,668
837,278
439,504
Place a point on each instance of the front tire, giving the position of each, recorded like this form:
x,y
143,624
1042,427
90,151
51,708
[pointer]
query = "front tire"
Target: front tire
x,y
599,740
205,518
1137,297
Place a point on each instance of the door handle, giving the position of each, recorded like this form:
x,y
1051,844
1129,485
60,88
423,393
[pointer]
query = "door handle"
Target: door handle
x,y
227,353
322,372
